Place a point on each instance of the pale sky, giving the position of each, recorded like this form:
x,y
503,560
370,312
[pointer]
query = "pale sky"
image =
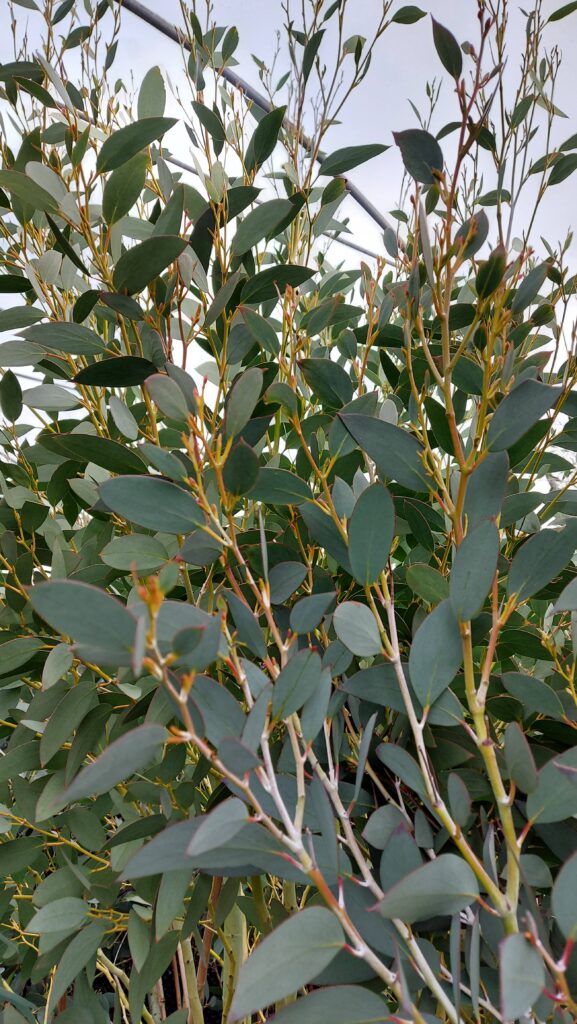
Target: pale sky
x,y
404,61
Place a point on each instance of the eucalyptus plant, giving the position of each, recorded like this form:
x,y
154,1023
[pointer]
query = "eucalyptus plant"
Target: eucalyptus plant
x,y
287,693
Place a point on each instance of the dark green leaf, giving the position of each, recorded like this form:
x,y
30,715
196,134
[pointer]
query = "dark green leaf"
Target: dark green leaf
x,y
563,12
111,455
445,885
120,372
343,160
473,571
151,502
269,283
129,754
436,654
395,452
265,138
127,142
421,153
294,953
327,381
280,487
339,1004
448,49
357,629
540,559
123,188
518,411
263,222
371,532
296,683
309,612
241,401
138,266
564,899
428,583
103,629
408,15
521,976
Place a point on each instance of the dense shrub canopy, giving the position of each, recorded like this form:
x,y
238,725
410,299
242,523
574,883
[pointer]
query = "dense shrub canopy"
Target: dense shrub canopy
x,y
287,692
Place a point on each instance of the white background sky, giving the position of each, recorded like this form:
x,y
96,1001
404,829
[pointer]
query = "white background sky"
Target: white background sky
x,y
404,61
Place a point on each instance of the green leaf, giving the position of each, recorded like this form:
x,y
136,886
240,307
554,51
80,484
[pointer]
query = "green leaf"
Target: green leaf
x,y
241,400
263,222
33,196
521,976
428,583
345,159
10,396
371,531
73,339
443,886
75,958
555,797
473,570
327,381
284,578
486,489
295,684
280,487
111,455
540,559
120,372
564,899
127,142
152,95
102,628
119,761
536,697
448,49
19,316
218,827
134,551
269,283
339,1004
395,452
529,287
518,411
436,654
50,397
63,915
421,154
290,957
138,266
562,169
123,188
309,612
324,532
357,629
151,502
16,653
408,15
519,759
241,469
491,273
167,395
567,600
264,139
66,718
563,12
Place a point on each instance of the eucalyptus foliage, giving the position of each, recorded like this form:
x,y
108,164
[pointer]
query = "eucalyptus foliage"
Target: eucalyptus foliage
x,y
287,692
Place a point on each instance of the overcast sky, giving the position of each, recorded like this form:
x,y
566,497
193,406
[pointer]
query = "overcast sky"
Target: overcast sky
x,y
404,61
